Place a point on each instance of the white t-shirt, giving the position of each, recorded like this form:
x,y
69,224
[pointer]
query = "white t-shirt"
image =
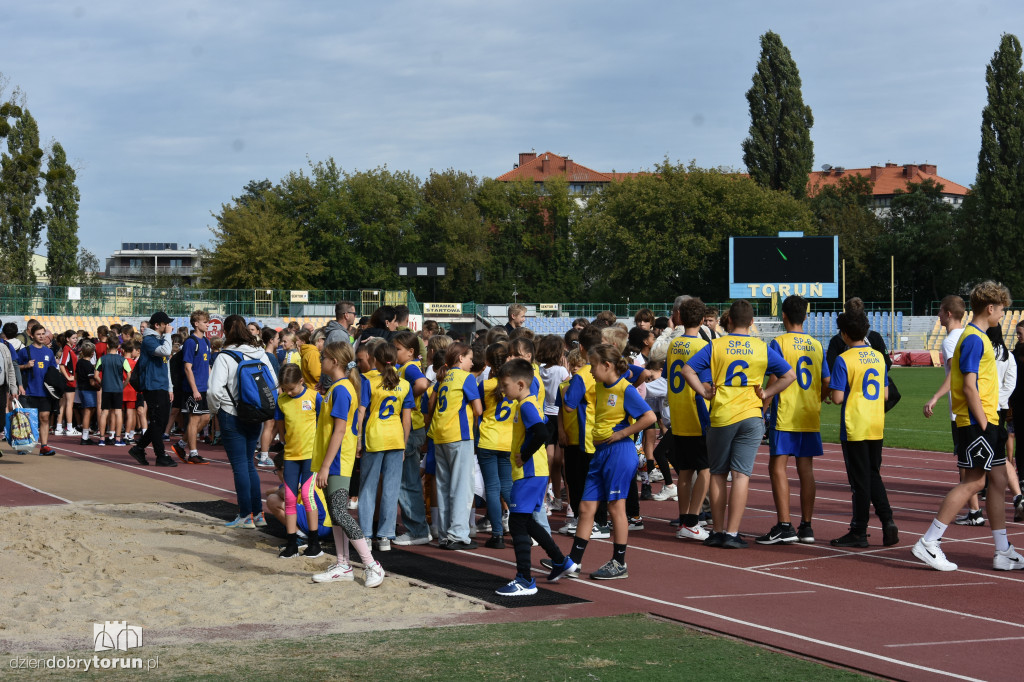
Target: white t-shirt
x,y
552,376
946,355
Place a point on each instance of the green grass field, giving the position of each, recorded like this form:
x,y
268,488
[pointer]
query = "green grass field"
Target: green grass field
x,y
618,648
906,425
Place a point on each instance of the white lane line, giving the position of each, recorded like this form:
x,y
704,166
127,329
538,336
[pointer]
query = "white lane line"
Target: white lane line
x,y
140,469
956,641
917,587
748,594
756,626
43,492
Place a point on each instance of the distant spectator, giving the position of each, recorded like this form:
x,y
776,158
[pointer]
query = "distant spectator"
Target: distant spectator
x,y
644,319
516,317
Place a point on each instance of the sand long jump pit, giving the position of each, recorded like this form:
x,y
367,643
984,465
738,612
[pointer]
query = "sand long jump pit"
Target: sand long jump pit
x,y
182,577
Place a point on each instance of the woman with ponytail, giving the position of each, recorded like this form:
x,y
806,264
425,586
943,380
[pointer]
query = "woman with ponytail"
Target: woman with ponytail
x,y
456,407
387,401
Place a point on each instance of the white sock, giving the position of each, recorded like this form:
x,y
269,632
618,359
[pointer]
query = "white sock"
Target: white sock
x,y
85,434
999,536
264,455
934,531
193,452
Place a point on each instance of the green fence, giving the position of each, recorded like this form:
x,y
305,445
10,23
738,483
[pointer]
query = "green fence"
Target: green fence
x,y
125,301
762,308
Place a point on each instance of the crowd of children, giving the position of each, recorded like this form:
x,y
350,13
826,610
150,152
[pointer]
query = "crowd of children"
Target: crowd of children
x,y
512,424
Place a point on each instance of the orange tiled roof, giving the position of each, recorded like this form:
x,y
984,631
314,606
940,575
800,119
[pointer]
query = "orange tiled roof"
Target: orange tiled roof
x,y
540,167
887,179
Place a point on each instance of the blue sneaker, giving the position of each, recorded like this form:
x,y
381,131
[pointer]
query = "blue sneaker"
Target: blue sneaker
x,y
518,587
568,566
241,522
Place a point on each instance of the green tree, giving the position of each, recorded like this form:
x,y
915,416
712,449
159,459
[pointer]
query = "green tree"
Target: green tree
x,y
255,246
653,237
451,231
21,222
61,212
845,210
922,236
779,153
995,206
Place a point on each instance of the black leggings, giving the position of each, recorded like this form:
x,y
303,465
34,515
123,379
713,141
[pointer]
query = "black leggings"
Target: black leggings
x,y
337,506
863,464
523,527
577,463
661,453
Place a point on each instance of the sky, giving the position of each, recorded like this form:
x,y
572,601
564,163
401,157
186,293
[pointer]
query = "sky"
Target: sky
x,y
168,109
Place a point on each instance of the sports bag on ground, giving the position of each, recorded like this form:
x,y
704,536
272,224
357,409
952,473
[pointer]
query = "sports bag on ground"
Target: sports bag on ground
x,y
254,395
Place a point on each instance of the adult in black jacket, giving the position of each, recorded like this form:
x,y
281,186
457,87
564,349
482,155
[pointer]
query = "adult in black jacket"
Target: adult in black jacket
x,y
383,323
836,347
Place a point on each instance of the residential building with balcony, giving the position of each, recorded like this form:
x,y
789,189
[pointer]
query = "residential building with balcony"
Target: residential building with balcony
x,y
152,261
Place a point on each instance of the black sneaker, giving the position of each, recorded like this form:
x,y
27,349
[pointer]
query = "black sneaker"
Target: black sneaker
x,y
734,542
288,551
715,540
88,441
138,454
458,544
971,518
165,461
890,534
645,492
851,539
636,523
612,570
805,534
181,450
313,550
781,533
496,542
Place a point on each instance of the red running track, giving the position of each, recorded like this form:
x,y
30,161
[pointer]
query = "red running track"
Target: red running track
x,y
878,610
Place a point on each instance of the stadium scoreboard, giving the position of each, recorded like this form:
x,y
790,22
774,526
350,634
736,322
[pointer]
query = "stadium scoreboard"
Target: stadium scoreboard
x,y
788,264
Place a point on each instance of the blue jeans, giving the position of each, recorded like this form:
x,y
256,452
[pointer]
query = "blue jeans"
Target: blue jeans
x,y
455,476
496,468
240,442
410,497
374,467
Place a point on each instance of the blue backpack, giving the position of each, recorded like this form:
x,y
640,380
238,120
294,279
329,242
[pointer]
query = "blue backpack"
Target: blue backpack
x,y
255,389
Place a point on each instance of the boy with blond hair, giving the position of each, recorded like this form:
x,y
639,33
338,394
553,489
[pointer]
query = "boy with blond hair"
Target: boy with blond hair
x,y
974,383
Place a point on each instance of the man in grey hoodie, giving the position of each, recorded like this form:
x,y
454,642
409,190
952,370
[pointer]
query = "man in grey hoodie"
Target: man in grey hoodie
x,y
340,328
156,388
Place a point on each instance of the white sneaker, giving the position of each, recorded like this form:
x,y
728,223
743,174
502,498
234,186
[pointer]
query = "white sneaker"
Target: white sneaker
x,y
59,431
373,575
692,533
1008,560
472,530
931,554
669,492
504,520
383,544
405,540
353,504
656,476
569,528
335,573
556,505
72,431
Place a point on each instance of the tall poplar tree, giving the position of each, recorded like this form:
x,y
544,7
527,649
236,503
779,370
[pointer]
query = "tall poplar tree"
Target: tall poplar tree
x,y
21,222
779,153
61,219
996,204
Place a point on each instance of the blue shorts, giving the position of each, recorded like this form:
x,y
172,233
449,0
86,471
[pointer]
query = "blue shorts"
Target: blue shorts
x,y
527,494
795,443
87,399
611,473
303,524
